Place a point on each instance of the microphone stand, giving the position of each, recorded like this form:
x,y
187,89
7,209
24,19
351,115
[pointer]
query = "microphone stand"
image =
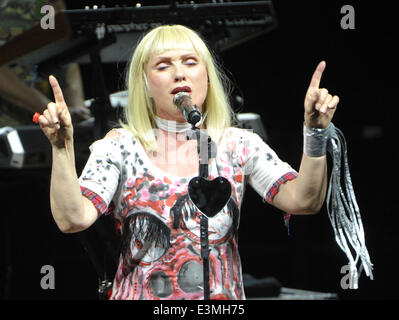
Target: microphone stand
x,y
204,155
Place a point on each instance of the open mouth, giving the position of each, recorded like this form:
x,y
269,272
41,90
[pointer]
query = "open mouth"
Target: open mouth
x,y
181,89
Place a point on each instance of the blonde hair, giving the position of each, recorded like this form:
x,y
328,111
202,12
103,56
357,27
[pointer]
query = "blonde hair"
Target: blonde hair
x,y
140,111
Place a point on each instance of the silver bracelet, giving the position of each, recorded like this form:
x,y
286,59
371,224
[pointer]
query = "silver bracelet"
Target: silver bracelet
x,y
315,140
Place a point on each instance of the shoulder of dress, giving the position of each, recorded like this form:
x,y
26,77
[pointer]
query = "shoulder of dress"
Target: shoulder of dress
x,y
113,134
235,133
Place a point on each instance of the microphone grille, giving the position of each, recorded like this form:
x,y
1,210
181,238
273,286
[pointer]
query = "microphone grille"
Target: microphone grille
x,y
180,97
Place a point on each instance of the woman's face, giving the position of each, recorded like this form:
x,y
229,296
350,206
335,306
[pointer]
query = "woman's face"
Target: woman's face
x,y
172,71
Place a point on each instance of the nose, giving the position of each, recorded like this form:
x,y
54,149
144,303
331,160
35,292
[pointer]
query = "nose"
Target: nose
x,y
179,74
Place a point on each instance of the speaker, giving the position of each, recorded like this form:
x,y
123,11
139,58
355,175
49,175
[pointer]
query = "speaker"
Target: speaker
x,y
26,147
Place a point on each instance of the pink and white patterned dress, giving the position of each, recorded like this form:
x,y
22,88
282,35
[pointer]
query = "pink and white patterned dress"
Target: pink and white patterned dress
x,y
161,254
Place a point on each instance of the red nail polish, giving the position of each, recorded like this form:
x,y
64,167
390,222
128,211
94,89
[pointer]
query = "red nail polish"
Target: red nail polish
x,y
36,117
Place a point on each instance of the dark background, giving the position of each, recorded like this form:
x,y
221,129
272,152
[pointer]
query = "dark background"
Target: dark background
x,y
272,73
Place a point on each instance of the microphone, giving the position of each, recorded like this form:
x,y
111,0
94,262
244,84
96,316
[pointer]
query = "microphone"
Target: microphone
x,y
190,112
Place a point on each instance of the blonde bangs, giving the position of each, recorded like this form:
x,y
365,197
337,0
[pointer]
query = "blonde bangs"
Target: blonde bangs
x,y
172,37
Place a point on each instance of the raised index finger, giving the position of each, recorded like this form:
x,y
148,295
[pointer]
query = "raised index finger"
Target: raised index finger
x,y
58,96
315,82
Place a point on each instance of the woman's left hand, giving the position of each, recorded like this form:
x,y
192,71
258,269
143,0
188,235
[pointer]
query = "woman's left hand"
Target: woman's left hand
x,y
320,105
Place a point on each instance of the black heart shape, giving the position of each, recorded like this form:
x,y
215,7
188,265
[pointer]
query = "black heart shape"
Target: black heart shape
x,y
210,196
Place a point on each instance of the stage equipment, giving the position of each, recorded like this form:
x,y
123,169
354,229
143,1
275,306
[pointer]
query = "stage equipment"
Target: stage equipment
x,y
252,121
108,35
12,153
26,147
190,112
200,189
114,31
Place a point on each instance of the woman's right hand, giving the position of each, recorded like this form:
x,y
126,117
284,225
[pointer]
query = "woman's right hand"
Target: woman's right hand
x,y
56,121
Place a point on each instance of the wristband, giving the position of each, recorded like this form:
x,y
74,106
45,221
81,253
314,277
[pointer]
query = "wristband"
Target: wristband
x,y
315,140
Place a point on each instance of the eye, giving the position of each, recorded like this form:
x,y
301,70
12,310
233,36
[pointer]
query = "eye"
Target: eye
x,y
191,61
162,66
